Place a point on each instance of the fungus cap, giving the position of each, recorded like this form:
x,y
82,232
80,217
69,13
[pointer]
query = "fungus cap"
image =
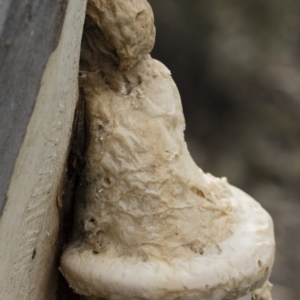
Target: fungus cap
x,y
243,265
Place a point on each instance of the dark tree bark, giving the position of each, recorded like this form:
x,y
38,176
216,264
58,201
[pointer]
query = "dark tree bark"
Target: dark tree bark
x,y
29,31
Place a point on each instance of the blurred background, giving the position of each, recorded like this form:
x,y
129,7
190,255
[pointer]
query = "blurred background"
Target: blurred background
x,y
237,67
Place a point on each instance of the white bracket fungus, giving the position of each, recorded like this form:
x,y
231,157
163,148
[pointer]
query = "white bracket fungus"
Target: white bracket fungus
x,y
150,223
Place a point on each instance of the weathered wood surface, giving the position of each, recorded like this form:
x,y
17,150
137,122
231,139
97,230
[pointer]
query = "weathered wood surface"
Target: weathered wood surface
x,y
29,31
39,93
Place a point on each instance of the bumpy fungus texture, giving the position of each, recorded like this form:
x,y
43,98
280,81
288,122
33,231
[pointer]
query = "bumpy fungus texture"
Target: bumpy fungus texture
x,y
119,30
150,223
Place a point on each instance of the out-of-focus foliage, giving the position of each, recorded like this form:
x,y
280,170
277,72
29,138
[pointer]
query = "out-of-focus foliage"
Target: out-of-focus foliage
x,y
237,66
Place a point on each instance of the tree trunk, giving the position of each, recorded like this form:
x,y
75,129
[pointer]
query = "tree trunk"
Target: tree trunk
x,y
39,57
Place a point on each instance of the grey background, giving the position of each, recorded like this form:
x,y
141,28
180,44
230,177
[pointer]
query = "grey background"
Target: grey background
x,y
237,67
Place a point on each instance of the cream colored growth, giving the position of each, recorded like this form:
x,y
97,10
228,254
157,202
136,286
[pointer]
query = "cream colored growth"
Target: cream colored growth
x,y
141,181
146,205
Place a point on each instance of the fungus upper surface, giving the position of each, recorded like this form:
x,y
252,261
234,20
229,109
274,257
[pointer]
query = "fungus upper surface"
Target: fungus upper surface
x,y
143,192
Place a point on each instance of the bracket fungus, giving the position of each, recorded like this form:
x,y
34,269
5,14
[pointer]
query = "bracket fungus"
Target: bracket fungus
x,y
149,223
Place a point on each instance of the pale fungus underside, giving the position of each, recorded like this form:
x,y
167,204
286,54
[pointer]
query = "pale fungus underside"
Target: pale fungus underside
x,y
150,223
